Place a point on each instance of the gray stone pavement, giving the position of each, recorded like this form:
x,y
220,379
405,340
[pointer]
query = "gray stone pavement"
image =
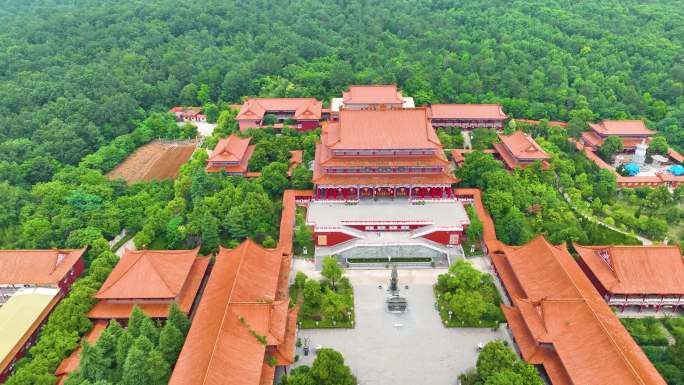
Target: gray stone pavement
x,y
406,349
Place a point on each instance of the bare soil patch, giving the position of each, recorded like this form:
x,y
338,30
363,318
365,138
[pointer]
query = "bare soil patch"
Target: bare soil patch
x,y
154,161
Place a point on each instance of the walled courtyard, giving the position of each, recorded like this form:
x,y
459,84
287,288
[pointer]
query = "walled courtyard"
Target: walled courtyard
x,y
400,349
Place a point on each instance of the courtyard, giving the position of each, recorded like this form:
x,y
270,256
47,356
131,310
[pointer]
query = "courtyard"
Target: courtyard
x,y
400,349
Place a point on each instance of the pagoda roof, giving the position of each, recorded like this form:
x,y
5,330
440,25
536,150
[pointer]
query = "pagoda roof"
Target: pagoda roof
x,y
656,269
382,129
372,94
467,111
149,274
241,300
621,127
303,108
522,146
554,303
232,149
37,267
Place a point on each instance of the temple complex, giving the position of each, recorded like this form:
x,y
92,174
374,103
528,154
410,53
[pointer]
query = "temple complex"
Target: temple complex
x,y
381,153
151,280
304,112
243,332
231,155
468,116
561,324
371,97
635,276
519,150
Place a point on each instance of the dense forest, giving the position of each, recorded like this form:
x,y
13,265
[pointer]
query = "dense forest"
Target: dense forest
x,y
83,83
74,74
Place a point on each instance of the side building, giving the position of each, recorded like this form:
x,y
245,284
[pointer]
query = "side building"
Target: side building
x,y
231,155
635,277
151,280
519,150
561,324
305,113
32,282
243,332
468,116
374,97
632,132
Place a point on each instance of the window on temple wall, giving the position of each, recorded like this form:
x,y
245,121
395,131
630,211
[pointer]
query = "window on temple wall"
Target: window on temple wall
x,y
453,239
323,240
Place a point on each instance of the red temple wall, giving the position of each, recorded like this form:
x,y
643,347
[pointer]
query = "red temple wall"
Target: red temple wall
x,y
590,274
334,237
443,237
307,125
75,272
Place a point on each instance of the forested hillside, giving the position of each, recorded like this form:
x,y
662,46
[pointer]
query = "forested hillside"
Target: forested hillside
x,y
76,73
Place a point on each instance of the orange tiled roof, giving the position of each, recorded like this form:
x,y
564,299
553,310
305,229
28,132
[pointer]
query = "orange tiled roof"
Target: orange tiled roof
x,y
37,267
303,108
382,129
560,321
676,156
636,269
149,274
287,219
621,127
117,310
372,94
522,146
242,297
70,364
467,111
231,149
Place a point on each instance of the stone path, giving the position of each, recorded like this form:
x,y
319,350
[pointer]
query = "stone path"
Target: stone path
x,y
644,241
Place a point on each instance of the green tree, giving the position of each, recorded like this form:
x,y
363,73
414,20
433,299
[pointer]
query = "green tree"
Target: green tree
x,y
178,319
476,165
135,368
211,111
312,293
331,271
269,120
274,178
658,146
301,178
135,321
494,358
157,368
170,342
611,146
329,369
203,94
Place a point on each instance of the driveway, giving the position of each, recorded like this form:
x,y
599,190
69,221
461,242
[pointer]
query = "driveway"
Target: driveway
x,y
404,349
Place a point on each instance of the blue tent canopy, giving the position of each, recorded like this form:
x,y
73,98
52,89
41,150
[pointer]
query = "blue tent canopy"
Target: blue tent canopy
x,y
632,169
677,170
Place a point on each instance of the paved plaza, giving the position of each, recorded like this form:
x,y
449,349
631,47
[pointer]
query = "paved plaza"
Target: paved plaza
x,y
406,349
